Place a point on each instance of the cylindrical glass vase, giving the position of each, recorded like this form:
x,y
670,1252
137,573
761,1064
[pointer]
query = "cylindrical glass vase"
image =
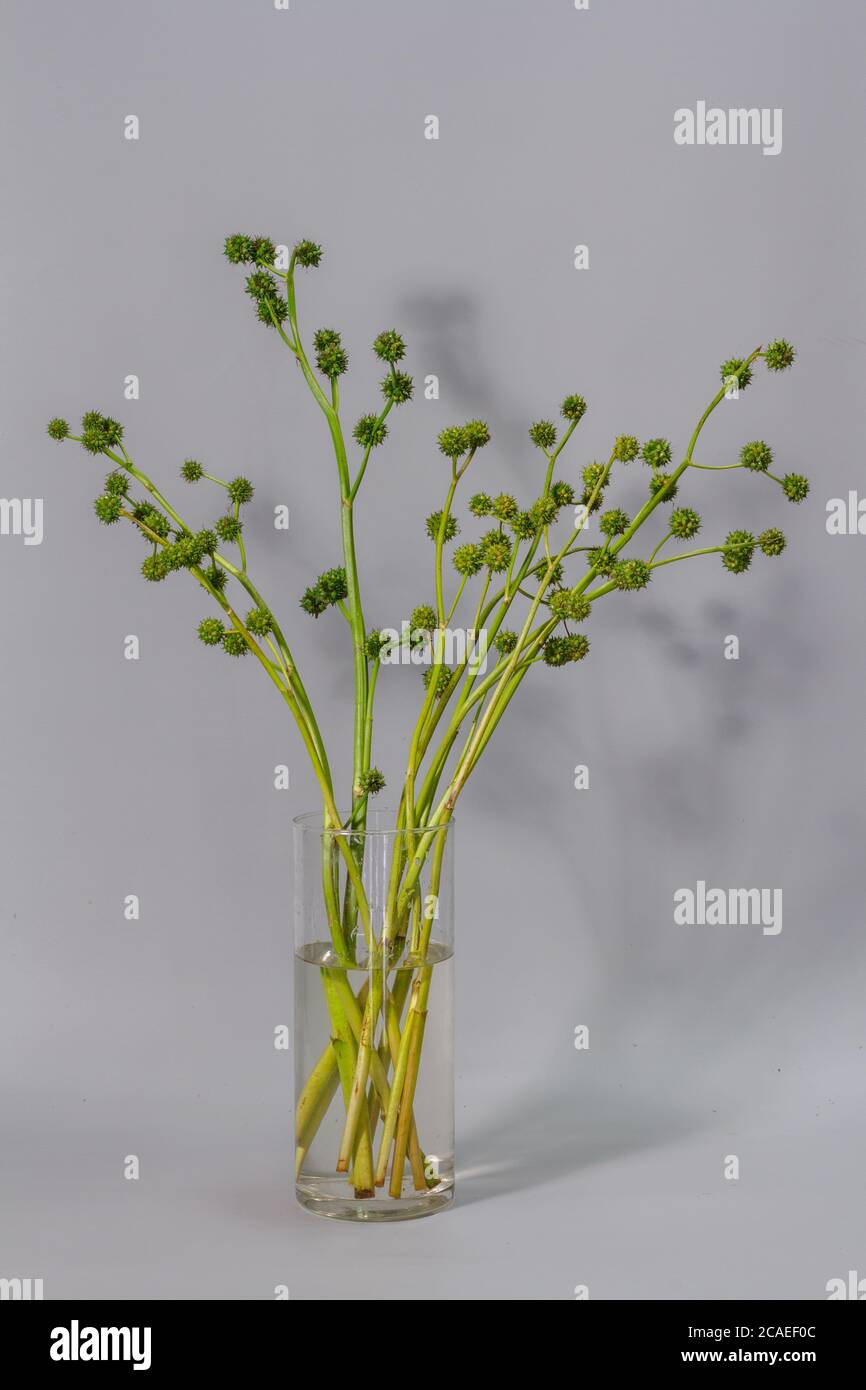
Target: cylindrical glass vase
x,y
374,1019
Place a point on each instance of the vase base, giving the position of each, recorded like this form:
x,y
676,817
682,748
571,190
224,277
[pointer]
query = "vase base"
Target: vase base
x,y
327,1198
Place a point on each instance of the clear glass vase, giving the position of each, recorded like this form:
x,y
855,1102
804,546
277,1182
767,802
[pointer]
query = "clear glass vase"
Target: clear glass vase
x,y
374,1019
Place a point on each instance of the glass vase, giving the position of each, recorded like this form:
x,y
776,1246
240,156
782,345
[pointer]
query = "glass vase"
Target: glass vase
x,y
374,1019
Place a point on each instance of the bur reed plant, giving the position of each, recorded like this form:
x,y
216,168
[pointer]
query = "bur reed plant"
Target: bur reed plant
x,y
527,577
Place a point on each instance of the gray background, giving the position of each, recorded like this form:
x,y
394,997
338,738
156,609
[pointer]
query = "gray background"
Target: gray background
x,y
155,1038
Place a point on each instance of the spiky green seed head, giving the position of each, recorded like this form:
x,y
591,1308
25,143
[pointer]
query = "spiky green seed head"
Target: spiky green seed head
x,y
100,432
189,551
481,504
313,601
117,484
57,428
267,310
264,251
476,434
397,388
523,525
332,359
308,254
757,456
779,355
191,471
626,448
772,541
370,432
569,605
260,621
452,526
631,574
736,369
552,580
150,516
107,507
543,511
376,645
543,434
389,346
496,551
372,782
156,567
592,476
663,483
442,674
795,487
559,651
614,522
261,285
684,523
601,561
238,249
505,508
737,551
228,528
562,494
423,618
241,490
216,577
234,643
656,453
452,442
573,408
333,584
505,642
468,560
210,631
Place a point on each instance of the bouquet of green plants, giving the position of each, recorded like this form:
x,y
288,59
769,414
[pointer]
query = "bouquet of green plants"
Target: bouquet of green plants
x,y
529,582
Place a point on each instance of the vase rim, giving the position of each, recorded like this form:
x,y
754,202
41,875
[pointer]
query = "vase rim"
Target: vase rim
x,y
311,822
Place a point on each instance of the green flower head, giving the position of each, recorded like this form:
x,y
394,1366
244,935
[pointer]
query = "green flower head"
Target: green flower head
x,y
370,431
795,487
99,432
772,541
684,523
442,677
155,520
107,507
307,253
260,621
240,490
573,408
524,525
663,483
389,346
210,631
372,782
235,643
332,359
592,475
228,528
452,526
117,484
505,508
543,511
191,471
269,309
614,522
631,574
468,560
543,434
602,562
333,585
736,369
496,551
737,551
569,605
238,249
757,456
423,618
156,567
562,494
397,388
505,641
261,285
559,651
216,577
264,251
57,428
452,442
481,504
779,355
656,453
625,448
